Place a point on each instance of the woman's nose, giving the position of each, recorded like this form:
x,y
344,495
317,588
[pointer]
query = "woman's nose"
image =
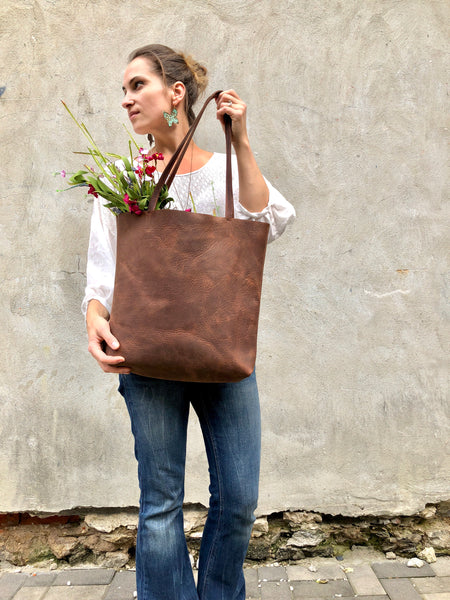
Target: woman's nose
x,y
127,101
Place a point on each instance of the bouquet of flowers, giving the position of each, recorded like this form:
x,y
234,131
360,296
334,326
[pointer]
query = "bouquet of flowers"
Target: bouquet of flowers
x,y
126,183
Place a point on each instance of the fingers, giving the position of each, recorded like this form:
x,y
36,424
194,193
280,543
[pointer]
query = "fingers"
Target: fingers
x,y
228,102
110,340
99,334
109,364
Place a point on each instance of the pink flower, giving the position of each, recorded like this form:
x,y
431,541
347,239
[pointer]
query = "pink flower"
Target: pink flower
x,y
134,208
188,210
155,156
92,191
63,173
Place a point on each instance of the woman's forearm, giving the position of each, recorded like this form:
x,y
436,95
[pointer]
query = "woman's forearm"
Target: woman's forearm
x,y
253,191
95,309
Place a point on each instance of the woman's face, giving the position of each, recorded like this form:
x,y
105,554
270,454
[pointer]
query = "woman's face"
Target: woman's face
x,y
146,97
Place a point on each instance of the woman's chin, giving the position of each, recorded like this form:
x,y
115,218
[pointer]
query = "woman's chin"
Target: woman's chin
x,y
139,130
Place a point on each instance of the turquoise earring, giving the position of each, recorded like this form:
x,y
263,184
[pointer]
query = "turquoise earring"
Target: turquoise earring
x,y
171,118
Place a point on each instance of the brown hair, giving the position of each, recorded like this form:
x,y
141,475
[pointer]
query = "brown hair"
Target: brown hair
x,y
174,66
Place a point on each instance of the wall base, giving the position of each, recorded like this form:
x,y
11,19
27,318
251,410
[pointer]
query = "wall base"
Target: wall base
x,y
108,538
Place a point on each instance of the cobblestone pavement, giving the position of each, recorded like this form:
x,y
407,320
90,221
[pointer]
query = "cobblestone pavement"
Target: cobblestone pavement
x,y
384,580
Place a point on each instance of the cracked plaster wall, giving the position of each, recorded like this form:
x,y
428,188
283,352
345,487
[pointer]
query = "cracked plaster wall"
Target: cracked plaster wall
x,y
348,116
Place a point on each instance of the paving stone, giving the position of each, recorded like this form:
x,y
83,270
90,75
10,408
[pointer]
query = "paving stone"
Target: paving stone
x,y
442,566
122,586
276,590
397,582
272,574
400,589
85,577
31,593
80,592
384,597
300,573
40,580
251,583
364,581
432,585
10,583
388,570
311,589
316,598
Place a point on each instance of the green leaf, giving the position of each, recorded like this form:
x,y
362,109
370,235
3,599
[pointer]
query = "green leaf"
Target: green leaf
x,y
78,177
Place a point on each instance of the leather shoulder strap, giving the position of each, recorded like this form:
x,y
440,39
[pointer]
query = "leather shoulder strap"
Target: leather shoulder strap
x,y
172,166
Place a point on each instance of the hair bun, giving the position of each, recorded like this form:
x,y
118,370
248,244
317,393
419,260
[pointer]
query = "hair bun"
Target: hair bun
x,y
199,72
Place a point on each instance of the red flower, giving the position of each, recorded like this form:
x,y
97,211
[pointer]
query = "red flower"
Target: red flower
x,y
134,207
92,191
155,156
149,170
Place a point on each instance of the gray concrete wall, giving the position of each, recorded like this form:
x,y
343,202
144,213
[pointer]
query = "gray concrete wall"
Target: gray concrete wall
x,y
348,116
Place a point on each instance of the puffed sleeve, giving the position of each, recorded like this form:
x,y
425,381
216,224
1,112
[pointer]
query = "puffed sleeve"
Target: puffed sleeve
x,y
278,213
101,258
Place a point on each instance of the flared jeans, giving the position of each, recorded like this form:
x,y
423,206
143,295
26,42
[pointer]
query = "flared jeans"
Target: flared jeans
x,y
229,417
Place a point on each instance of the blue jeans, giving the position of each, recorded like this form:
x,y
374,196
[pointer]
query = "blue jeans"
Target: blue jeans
x,y
229,416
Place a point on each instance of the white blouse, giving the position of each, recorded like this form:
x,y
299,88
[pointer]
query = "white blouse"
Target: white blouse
x,y
202,191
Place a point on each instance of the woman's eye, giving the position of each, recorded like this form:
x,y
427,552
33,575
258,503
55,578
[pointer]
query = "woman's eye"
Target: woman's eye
x,y
134,85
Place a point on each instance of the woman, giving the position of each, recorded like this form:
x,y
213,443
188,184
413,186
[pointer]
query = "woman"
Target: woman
x,y
160,88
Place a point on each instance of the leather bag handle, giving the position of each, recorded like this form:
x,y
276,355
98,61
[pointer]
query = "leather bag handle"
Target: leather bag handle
x,y
172,166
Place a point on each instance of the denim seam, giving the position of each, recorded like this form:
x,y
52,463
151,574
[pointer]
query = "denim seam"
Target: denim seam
x,y
220,493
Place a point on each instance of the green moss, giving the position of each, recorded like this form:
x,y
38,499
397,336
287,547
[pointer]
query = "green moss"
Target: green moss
x,y
40,552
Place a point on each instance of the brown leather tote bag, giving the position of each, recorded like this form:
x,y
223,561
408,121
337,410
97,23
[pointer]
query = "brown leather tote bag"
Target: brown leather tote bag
x,y
187,287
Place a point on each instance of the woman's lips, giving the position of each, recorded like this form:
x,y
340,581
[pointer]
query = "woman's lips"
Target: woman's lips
x,y
133,114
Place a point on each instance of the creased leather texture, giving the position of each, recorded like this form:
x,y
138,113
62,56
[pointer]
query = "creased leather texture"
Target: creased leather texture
x,y
187,293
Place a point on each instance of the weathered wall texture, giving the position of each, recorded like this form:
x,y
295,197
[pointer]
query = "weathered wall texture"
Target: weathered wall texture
x,y
347,114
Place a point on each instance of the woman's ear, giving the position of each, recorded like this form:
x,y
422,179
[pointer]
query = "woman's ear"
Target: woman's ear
x,y
178,93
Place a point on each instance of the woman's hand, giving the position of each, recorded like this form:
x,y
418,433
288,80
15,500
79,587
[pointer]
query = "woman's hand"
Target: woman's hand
x,y
253,190
230,103
99,332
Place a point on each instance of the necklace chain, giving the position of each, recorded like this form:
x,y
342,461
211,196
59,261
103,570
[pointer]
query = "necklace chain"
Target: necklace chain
x,y
187,201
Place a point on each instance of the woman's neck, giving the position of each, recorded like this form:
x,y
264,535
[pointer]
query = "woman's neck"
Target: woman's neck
x,y
167,144
193,159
